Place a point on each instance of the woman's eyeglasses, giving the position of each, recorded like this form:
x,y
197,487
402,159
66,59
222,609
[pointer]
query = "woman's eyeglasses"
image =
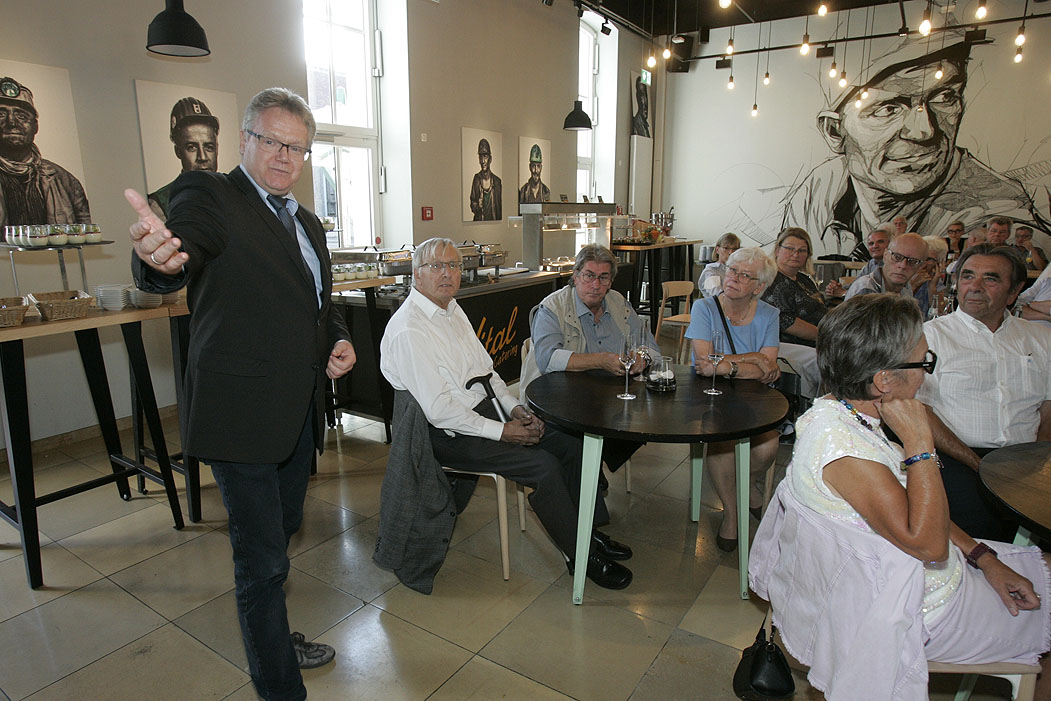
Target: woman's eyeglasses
x,y
928,363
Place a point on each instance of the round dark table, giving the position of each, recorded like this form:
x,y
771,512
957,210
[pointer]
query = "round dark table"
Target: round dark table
x,y
586,402
1020,477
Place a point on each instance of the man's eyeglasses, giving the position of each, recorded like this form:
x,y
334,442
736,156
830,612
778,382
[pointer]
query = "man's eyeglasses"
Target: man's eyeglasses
x,y
910,262
604,278
928,363
451,265
271,145
742,275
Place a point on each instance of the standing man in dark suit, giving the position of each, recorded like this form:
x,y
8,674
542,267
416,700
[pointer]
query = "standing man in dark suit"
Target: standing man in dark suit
x,y
263,338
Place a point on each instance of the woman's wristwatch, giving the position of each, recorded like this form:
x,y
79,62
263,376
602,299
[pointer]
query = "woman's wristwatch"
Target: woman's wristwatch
x,y
733,369
979,550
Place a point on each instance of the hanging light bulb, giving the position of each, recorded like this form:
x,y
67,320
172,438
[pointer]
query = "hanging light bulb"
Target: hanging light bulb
x,y
724,3
925,25
804,48
857,104
766,78
939,74
651,61
755,109
981,11
865,94
1018,55
832,69
822,10
666,53
1020,39
730,85
730,46
843,79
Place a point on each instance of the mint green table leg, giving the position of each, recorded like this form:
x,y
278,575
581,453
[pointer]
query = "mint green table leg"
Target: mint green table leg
x,y
698,451
589,469
742,453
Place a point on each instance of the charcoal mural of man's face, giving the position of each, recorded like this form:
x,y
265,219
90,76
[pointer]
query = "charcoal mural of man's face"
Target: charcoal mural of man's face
x,y
902,139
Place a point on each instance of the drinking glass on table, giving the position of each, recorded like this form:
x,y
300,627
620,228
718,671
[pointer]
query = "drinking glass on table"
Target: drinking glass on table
x,y
643,357
627,359
716,353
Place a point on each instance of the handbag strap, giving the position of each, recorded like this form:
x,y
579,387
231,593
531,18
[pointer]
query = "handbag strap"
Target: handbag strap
x,y
729,338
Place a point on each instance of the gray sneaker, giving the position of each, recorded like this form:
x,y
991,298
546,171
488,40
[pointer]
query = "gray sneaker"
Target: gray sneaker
x,y
311,655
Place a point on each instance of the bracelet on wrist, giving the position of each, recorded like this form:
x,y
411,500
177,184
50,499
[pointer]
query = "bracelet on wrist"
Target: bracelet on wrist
x,y
920,457
979,550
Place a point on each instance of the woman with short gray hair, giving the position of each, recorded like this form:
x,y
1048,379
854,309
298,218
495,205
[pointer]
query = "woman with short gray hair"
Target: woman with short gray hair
x,y
857,544
749,327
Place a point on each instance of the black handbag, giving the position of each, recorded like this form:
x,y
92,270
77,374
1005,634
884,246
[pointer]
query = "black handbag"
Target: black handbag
x,y
763,672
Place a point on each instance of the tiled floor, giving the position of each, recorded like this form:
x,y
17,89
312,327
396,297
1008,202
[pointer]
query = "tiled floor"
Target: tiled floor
x,y
133,609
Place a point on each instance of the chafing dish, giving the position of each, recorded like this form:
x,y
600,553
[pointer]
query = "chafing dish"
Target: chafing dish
x,y
491,255
470,255
562,264
396,261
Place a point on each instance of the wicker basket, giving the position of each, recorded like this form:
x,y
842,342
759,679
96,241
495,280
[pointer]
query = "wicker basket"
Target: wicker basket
x,y
12,311
64,304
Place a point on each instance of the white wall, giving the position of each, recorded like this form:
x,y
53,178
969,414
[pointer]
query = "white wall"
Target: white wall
x,y
102,45
726,171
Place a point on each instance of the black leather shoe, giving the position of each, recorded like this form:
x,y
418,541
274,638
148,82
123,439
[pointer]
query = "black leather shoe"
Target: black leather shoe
x,y
605,573
727,545
609,548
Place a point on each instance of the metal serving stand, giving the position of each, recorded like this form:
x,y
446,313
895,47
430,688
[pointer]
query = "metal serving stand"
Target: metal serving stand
x,y
551,217
60,250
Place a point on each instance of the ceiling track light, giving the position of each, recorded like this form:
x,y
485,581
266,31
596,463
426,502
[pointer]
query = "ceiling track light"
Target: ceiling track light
x,y
1018,55
174,32
822,10
981,11
606,29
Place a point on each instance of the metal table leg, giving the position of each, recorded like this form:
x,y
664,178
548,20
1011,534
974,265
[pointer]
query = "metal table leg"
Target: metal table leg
x,y
62,268
14,273
589,471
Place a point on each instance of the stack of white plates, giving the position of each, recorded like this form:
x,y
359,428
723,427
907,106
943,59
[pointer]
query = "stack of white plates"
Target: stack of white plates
x,y
112,297
144,300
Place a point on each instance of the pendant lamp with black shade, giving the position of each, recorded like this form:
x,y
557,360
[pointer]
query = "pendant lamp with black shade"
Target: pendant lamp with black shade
x,y
174,32
577,120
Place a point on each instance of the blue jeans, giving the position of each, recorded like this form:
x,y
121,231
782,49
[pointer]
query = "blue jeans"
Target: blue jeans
x,y
265,506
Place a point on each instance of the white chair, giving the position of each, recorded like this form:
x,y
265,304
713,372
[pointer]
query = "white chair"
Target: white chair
x,y
501,513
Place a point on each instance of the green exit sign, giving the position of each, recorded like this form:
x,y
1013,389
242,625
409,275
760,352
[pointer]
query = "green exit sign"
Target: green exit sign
x,y
647,77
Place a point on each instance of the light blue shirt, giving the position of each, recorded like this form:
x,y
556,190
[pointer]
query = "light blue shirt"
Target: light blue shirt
x,y
309,254
603,336
762,332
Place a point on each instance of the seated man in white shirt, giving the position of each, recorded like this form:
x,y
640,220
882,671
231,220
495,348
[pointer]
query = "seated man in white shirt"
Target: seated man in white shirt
x,y
991,384
582,327
430,349
1036,301
902,259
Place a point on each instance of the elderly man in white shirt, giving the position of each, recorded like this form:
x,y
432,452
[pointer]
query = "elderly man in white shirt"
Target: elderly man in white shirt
x,y
430,349
991,385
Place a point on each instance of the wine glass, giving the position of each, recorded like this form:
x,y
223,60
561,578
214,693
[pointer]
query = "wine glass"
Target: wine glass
x,y
642,353
627,359
715,355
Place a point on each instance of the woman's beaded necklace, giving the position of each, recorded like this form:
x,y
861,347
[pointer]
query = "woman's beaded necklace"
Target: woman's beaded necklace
x,y
861,419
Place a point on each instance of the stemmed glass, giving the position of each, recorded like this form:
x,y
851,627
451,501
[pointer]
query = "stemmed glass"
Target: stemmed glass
x,y
715,354
627,359
642,353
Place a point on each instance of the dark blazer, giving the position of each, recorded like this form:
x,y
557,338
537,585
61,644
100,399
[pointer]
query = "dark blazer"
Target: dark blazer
x,y
258,343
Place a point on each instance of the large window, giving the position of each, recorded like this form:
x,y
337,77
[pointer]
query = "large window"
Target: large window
x,y
587,67
342,94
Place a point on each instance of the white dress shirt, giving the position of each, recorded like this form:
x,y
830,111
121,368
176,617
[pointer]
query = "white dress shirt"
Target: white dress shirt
x,y
988,387
432,353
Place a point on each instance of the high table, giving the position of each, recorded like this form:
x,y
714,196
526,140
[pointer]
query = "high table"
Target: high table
x,y
652,252
1019,476
587,403
15,408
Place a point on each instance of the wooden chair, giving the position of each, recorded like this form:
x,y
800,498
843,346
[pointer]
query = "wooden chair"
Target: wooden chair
x,y
1021,676
672,290
501,513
